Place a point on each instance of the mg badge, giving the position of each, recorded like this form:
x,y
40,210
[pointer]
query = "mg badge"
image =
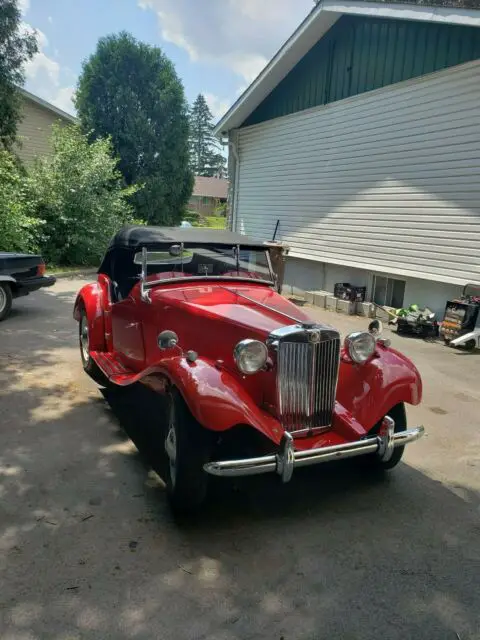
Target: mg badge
x,y
314,336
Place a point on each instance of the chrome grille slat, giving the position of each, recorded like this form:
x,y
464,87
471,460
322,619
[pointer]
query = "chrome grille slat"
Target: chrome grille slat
x,y
307,374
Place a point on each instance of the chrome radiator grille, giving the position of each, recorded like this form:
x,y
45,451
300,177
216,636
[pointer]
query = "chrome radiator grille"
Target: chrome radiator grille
x,y
307,374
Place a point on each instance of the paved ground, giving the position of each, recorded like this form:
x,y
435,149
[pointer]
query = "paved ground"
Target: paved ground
x,y
88,549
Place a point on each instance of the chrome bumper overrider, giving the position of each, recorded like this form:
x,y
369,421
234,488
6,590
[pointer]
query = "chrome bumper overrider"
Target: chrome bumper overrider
x,y
287,458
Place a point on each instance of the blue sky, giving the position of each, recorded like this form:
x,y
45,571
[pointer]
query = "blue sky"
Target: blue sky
x,y
217,46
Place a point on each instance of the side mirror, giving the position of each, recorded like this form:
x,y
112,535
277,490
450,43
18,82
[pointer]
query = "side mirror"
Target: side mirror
x,y
175,250
375,328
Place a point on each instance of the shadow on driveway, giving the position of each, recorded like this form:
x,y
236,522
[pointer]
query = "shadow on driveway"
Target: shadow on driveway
x,y
89,551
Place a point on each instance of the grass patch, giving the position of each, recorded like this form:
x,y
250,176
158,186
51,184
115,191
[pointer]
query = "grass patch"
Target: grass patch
x,y
216,222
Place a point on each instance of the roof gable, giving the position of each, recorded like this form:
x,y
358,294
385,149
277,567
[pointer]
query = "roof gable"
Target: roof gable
x,y
46,105
361,54
313,28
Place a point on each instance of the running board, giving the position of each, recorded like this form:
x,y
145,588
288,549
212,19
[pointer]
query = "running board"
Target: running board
x,y
115,371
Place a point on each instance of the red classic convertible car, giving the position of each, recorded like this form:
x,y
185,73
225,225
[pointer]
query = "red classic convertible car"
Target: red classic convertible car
x,y
253,384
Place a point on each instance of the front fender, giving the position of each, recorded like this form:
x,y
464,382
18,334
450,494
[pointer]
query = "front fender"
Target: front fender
x,y
90,297
370,390
366,393
215,398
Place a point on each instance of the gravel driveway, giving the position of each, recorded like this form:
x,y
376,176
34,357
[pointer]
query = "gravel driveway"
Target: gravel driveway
x,y
88,549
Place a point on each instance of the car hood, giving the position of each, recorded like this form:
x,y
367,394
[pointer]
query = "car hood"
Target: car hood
x,y
251,306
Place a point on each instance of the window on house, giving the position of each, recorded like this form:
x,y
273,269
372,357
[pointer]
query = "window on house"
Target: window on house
x,y
388,292
206,201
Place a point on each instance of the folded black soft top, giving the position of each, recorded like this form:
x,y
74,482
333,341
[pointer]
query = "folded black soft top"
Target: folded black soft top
x,y
134,237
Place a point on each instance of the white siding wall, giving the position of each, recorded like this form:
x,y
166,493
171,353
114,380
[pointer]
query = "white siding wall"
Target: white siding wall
x,y
388,181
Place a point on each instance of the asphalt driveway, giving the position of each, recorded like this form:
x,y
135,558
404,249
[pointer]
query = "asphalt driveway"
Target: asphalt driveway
x,y
88,549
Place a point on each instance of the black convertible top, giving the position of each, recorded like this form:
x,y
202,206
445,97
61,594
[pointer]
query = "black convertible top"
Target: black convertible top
x,y
135,237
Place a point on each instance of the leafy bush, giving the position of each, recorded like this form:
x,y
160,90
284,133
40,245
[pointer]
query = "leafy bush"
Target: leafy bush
x,y
80,195
192,216
19,229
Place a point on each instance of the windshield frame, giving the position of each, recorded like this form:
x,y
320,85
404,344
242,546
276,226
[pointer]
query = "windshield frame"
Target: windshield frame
x,y
149,284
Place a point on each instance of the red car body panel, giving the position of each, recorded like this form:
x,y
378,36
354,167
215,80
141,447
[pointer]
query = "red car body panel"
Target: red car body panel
x,y
91,298
211,318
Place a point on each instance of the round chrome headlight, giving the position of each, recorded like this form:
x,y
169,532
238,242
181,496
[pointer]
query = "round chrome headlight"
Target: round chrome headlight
x,y
360,346
250,356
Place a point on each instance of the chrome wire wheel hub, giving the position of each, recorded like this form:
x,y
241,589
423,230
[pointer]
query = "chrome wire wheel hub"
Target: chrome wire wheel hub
x,y
84,338
171,444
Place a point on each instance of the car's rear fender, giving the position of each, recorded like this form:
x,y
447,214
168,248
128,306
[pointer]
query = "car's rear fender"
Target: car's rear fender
x,y
91,298
215,398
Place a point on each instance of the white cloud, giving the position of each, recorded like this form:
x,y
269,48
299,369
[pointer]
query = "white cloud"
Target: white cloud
x,y
241,35
24,6
44,76
41,66
64,99
217,106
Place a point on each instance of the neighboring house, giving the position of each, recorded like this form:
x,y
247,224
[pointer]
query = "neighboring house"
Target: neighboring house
x,y
35,128
362,137
208,195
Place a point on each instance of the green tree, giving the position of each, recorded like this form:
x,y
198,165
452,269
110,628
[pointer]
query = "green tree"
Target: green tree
x,y
130,91
17,46
80,195
19,228
205,156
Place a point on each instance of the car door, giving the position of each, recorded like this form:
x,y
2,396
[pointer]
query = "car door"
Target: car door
x,y
127,330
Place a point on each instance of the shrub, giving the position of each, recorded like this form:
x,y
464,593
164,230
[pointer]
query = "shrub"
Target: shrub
x,y
80,196
19,228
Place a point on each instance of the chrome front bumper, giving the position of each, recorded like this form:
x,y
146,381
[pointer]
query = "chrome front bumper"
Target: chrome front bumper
x,y
284,462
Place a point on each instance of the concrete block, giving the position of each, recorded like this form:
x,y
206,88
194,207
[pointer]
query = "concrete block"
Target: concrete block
x,y
320,299
309,296
331,303
345,306
366,309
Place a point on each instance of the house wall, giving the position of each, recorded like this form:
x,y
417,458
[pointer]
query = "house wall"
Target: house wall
x,y
204,205
387,181
307,275
362,54
34,131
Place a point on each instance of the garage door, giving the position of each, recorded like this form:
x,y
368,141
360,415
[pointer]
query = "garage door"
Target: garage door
x,y
388,181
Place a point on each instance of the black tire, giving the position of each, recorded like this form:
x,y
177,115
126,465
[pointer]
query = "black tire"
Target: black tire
x,y
372,461
188,448
89,365
5,300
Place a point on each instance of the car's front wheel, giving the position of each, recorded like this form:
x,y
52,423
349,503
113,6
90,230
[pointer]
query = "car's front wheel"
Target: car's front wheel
x,y
89,365
5,300
188,448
